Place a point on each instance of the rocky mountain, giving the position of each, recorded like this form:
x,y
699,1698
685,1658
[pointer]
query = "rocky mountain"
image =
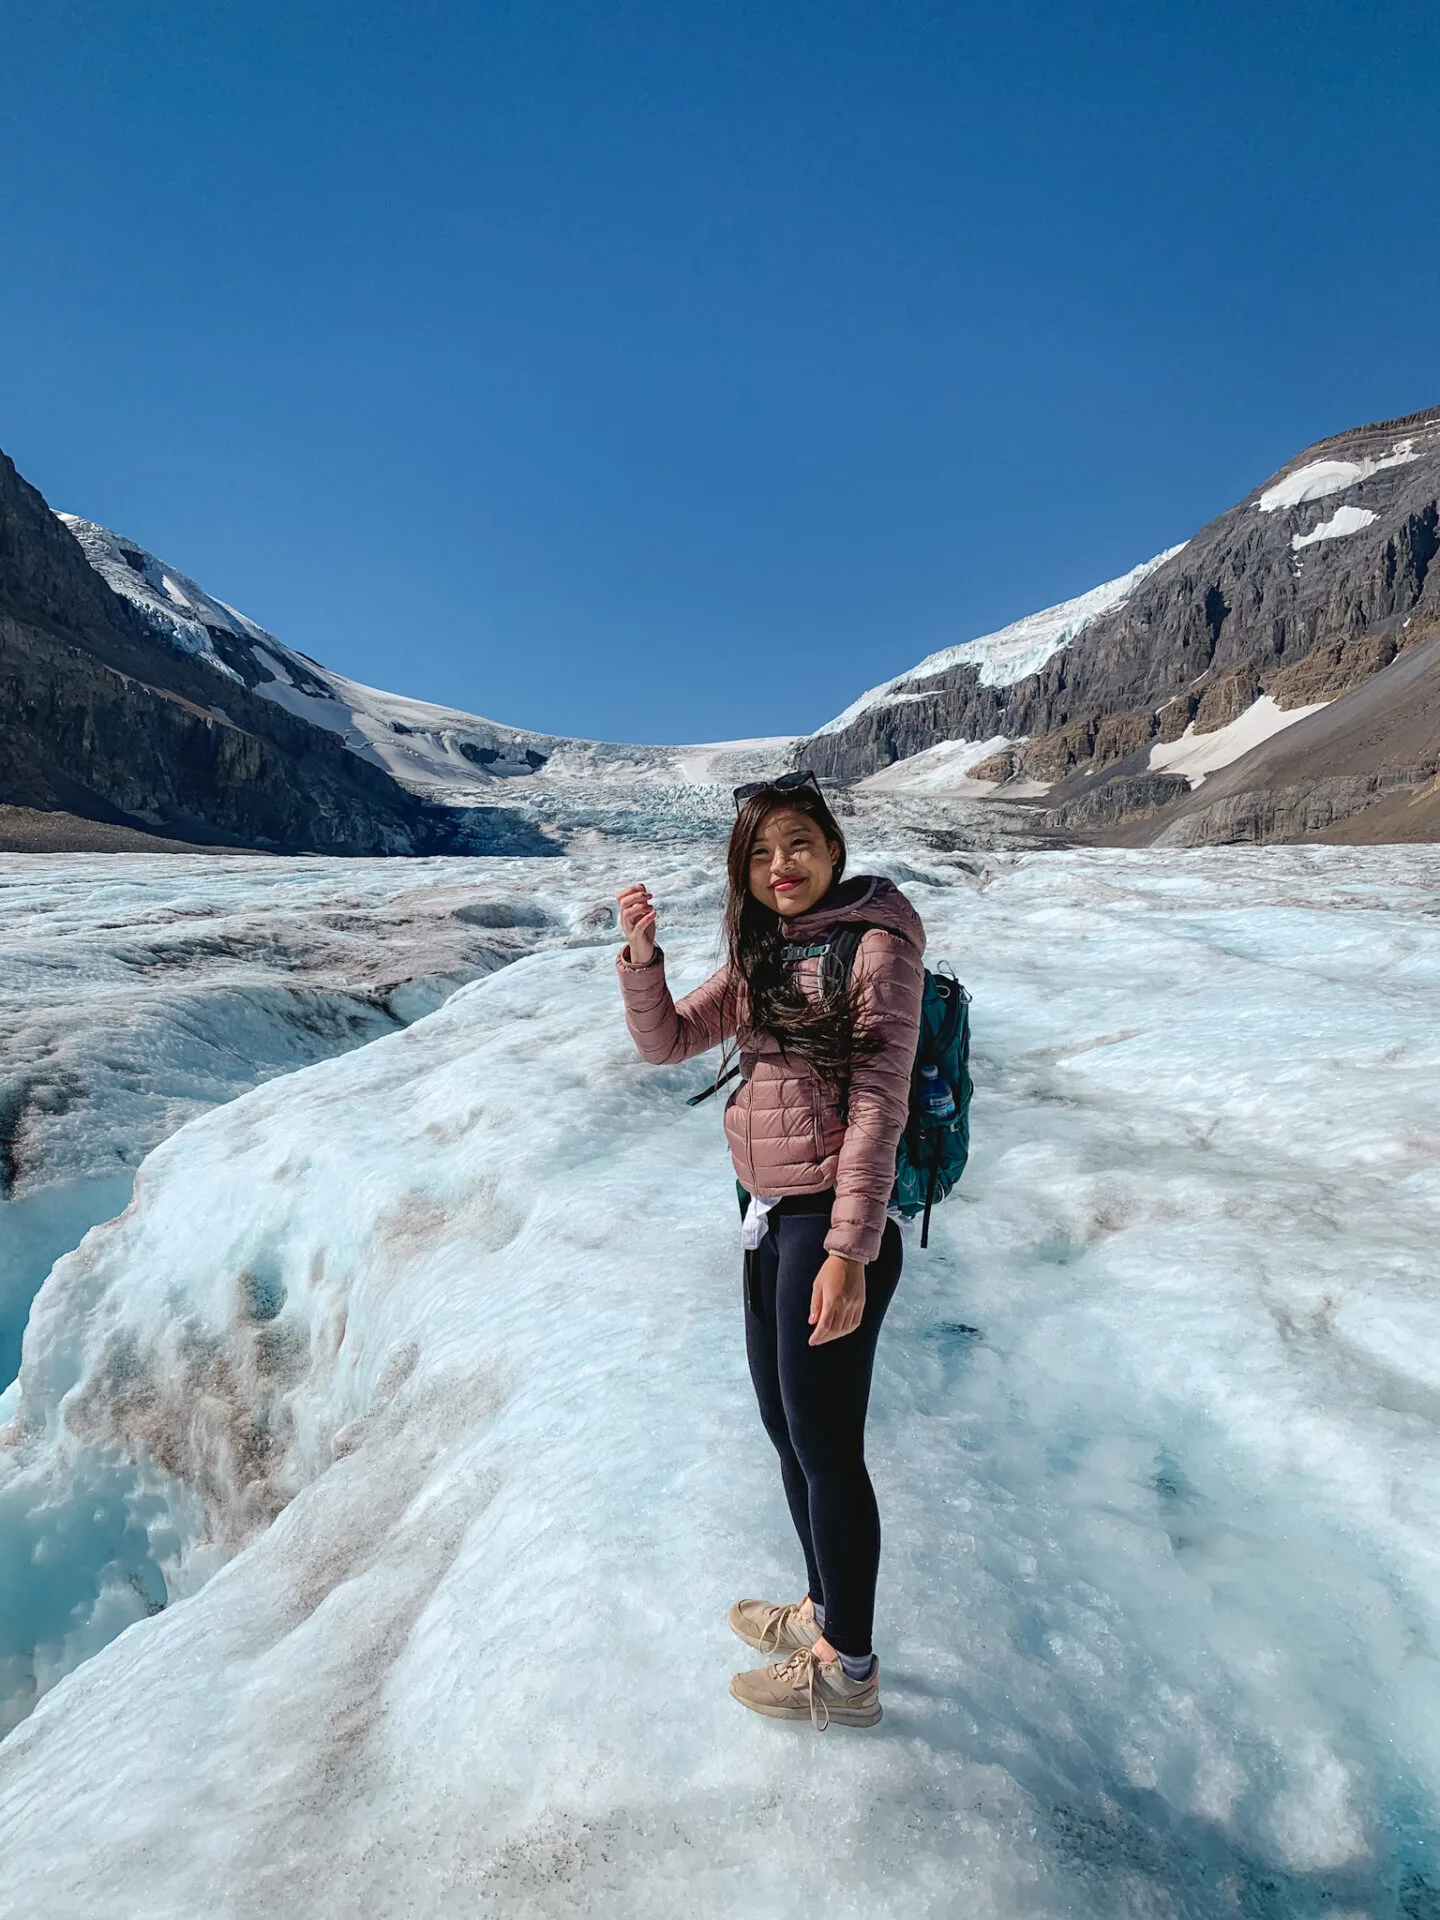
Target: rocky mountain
x,y
143,714
435,751
1317,592
155,714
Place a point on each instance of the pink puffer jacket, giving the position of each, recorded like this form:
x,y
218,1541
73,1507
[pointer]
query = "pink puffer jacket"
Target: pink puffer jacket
x,y
784,1123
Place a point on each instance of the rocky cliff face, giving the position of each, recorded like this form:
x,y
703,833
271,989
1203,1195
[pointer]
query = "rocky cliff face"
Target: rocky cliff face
x,y
1364,767
1303,590
102,716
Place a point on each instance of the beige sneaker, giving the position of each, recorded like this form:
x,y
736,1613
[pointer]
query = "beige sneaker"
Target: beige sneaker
x,y
775,1629
806,1688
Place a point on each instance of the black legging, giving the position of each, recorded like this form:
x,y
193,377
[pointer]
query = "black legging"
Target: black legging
x,y
813,1402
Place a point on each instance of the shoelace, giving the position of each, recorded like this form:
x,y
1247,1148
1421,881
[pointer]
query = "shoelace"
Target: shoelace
x,y
801,1668
770,1633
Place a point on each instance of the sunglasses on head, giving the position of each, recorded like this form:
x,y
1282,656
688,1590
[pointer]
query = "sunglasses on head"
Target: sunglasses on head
x,y
782,783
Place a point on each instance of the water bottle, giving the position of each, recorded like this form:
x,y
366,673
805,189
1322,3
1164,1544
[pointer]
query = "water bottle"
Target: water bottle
x,y
937,1103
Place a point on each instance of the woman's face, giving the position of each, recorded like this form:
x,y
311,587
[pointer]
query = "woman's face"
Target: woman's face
x,y
791,862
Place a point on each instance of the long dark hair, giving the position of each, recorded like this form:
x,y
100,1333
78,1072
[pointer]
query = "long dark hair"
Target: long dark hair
x,y
827,1033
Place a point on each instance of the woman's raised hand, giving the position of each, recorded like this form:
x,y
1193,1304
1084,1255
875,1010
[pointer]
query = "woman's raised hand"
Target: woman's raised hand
x,y
637,923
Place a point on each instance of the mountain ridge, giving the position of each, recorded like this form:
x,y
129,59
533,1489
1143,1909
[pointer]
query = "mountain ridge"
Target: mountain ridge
x,y
1176,703
104,718
1317,580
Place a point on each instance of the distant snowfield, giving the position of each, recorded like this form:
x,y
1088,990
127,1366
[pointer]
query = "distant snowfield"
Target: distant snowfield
x,y
1196,754
411,1387
420,744
720,760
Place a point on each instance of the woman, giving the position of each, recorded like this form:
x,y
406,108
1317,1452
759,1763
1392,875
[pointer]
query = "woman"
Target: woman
x,y
813,1130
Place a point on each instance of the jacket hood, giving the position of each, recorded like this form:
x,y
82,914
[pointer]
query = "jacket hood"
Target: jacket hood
x,y
865,897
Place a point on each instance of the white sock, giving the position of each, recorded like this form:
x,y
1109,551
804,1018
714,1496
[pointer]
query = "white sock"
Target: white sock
x,y
858,1666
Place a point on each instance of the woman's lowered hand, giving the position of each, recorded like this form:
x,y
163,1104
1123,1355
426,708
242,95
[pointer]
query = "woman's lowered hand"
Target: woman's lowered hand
x,y
837,1299
637,923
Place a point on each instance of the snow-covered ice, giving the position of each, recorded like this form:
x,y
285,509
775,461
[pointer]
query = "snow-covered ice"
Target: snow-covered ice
x,y
1015,651
728,762
939,769
1318,479
1196,754
1344,520
943,772
402,1424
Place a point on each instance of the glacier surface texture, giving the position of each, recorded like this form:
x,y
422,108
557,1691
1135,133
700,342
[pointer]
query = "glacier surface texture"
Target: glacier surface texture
x,y
136,994
374,1486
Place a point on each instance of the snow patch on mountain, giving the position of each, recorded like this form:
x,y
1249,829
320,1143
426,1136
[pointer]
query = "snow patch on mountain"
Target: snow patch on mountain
x,y
940,769
421,745
1015,651
1317,479
169,599
1343,521
424,746
1196,754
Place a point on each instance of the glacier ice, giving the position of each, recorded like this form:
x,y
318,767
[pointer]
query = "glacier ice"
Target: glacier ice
x,y
136,994
402,1423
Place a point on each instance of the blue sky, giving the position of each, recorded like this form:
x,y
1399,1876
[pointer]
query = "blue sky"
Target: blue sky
x,y
675,371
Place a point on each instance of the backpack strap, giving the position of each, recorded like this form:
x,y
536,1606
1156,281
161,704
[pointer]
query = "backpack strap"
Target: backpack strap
x,y
930,1186
720,1080
955,998
845,944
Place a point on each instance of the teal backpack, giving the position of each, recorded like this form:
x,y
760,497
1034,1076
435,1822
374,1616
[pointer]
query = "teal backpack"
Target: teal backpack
x,y
932,1153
